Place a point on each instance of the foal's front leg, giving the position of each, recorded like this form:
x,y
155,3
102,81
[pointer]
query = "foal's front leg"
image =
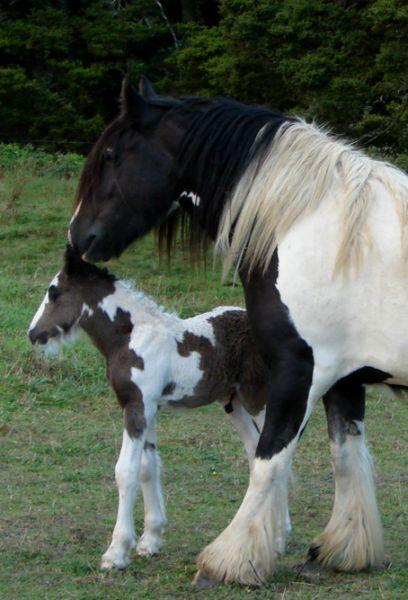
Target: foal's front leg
x,y
118,555
137,396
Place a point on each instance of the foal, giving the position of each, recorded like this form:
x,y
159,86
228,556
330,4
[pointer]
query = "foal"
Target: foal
x,y
154,359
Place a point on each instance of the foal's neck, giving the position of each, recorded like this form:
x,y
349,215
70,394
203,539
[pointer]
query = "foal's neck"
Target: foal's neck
x,y
112,320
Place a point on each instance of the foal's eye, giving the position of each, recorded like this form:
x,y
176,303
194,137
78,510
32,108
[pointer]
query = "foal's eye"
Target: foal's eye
x,y
53,293
109,155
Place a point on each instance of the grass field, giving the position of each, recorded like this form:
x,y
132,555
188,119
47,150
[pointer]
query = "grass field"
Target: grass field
x,y
61,429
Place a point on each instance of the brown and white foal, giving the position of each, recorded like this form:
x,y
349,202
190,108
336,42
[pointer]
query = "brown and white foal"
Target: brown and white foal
x,y
153,359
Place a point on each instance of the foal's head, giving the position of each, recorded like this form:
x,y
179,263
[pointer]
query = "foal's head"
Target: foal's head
x,y
73,293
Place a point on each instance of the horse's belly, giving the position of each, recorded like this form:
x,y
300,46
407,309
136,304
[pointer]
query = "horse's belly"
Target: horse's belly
x,y
356,318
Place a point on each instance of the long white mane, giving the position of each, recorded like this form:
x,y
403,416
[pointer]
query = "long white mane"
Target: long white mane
x,y
303,166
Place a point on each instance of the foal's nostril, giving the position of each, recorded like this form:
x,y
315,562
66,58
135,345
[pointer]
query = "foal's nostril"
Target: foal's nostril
x,y
38,338
42,338
32,336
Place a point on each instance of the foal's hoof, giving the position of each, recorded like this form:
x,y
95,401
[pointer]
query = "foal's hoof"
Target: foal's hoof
x,y
149,545
201,580
109,562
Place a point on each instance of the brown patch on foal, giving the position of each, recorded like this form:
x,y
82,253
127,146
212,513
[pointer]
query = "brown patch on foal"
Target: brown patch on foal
x,y
233,360
112,338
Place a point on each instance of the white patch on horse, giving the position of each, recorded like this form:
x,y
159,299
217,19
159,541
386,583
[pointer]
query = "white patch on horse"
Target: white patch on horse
x,y
195,199
78,208
246,551
363,319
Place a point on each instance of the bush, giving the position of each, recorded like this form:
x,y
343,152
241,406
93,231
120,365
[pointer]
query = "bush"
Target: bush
x,y
14,157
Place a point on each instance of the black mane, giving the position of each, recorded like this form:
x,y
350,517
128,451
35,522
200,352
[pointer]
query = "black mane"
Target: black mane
x,y
218,144
216,149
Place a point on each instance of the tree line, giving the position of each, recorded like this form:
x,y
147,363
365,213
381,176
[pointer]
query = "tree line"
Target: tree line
x,y
341,62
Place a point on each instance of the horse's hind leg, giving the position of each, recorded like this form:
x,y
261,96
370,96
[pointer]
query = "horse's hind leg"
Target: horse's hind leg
x,y
154,511
352,540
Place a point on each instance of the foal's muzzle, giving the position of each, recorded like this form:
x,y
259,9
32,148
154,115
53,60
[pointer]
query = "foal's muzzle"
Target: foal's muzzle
x,y
42,337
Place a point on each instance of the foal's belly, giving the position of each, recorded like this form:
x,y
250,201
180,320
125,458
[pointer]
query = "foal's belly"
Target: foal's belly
x,y
351,321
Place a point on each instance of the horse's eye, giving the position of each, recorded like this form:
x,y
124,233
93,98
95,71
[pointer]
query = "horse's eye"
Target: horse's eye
x,y
109,155
53,293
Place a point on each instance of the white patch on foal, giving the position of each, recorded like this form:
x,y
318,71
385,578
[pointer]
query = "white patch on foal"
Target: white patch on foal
x,y
41,308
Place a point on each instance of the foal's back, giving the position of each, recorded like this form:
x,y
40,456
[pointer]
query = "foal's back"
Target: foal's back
x,y
216,358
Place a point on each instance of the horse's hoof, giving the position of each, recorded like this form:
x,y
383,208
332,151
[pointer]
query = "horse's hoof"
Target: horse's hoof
x,y
201,580
309,570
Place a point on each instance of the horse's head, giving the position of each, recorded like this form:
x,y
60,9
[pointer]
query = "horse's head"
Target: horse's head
x,y
73,293
129,180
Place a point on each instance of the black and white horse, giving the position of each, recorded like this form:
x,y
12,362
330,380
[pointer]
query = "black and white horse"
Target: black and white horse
x,y
318,233
154,359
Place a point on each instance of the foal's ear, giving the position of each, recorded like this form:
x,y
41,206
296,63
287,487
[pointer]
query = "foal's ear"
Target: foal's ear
x,y
73,263
146,89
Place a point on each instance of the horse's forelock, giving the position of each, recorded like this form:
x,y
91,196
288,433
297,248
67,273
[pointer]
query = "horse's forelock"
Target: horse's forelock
x,y
91,172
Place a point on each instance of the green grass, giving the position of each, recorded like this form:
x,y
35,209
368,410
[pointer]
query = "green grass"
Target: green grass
x,y
61,429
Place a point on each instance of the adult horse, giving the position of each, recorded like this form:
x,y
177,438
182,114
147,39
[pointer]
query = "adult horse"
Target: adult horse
x,y
318,233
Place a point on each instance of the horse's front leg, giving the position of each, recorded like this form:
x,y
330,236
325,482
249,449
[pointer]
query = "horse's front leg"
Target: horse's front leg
x,y
353,539
246,550
249,430
151,541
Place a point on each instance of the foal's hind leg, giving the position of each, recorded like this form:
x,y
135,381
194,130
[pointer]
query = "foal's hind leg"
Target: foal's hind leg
x,y
245,426
154,512
352,540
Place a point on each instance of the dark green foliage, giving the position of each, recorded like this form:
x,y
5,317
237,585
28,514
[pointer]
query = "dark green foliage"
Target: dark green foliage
x,y
343,62
30,160
62,64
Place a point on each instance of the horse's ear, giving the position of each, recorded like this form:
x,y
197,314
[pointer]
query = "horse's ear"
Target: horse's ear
x,y
131,101
146,89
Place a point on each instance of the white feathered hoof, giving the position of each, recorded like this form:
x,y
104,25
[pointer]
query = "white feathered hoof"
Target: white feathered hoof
x,y
203,582
239,555
339,553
